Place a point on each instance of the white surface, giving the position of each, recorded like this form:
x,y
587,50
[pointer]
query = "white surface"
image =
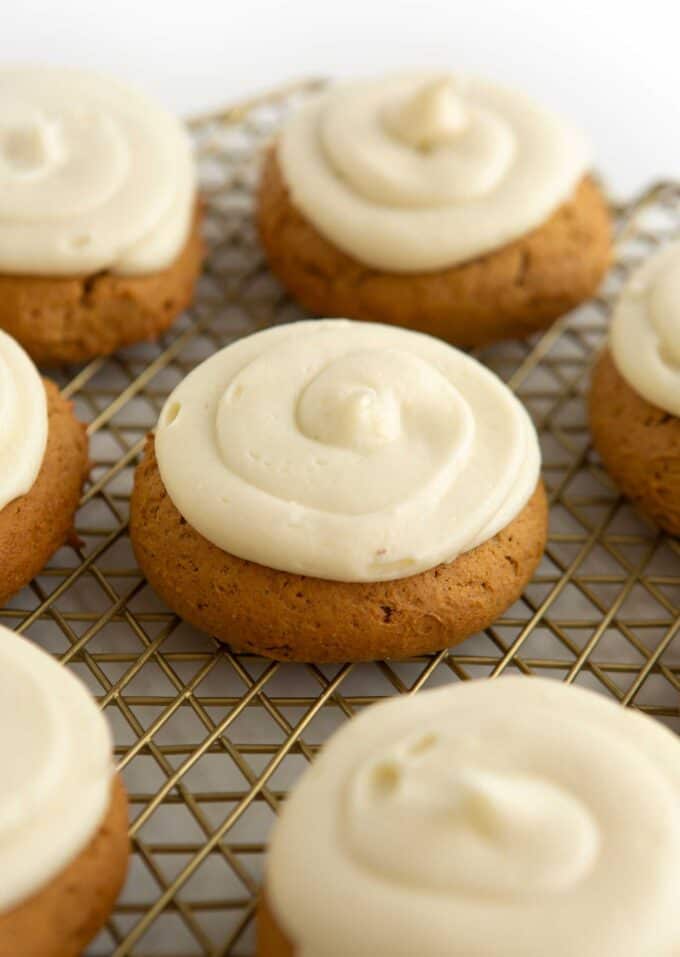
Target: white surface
x,y
611,66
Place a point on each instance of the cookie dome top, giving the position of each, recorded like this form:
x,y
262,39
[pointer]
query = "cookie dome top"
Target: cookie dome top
x,y
645,330
55,768
93,176
23,421
517,816
346,450
419,172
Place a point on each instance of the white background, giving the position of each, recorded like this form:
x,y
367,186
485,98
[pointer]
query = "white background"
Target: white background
x,y
612,66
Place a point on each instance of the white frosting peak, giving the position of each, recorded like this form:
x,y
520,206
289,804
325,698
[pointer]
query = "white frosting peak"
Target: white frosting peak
x,y
92,176
645,330
334,412
517,816
421,172
30,145
433,116
23,421
438,817
348,451
55,750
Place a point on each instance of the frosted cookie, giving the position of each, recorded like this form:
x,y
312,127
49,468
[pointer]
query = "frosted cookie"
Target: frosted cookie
x,y
331,490
100,241
43,451
63,811
449,205
635,392
518,817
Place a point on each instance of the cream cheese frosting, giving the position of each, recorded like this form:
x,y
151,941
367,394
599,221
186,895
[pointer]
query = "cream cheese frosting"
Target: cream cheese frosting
x,y
57,768
93,176
645,331
517,816
419,172
23,421
347,451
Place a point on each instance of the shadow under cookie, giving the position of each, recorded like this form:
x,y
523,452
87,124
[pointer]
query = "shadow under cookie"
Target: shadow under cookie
x,y
509,293
299,618
639,444
61,918
35,525
74,319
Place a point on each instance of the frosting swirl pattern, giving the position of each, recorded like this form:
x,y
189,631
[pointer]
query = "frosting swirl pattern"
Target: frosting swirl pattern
x,y
93,176
57,768
347,451
23,421
479,820
645,331
421,172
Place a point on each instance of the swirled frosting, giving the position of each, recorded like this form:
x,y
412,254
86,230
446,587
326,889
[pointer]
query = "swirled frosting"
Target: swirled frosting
x,y
518,816
23,421
346,450
422,172
645,330
56,759
93,176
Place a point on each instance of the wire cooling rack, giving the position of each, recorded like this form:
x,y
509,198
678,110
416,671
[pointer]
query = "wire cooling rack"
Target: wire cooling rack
x,y
209,741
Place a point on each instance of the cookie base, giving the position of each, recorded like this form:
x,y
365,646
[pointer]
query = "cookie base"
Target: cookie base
x,y
638,443
271,940
74,319
510,293
299,618
35,525
62,918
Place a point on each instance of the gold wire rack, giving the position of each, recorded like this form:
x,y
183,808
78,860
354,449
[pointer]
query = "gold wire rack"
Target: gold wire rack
x,y
209,741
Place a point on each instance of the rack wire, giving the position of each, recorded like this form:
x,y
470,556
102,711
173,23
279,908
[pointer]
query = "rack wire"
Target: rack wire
x,y
209,741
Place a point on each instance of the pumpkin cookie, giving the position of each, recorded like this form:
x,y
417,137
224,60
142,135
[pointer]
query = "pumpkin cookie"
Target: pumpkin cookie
x,y
63,811
634,402
100,239
458,209
44,448
331,491
61,320
481,819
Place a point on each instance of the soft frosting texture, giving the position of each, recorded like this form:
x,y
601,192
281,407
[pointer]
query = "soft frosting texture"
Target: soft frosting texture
x,y
93,176
56,760
348,451
645,330
23,421
419,172
518,817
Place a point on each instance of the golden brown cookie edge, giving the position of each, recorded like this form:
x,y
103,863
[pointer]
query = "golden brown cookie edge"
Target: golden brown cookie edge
x,y
271,940
62,918
35,525
639,444
509,293
299,618
75,319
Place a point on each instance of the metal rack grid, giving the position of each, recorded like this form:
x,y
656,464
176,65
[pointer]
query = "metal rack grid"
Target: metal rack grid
x,y
209,741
